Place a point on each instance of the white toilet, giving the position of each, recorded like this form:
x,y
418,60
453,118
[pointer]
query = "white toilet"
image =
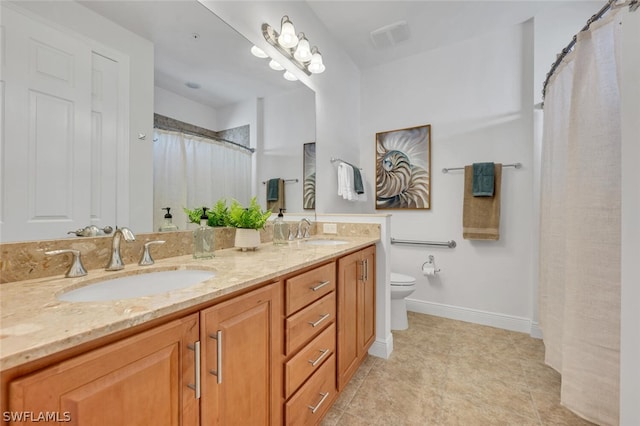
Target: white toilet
x,y
401,287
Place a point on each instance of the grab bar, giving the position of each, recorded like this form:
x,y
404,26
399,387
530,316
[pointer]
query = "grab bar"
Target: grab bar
x,y
450,244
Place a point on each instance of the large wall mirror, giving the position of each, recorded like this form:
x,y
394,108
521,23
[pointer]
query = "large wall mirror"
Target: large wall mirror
x,y
202,73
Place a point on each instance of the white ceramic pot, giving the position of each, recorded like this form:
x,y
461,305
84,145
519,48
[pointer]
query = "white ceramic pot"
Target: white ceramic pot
x,y
247,238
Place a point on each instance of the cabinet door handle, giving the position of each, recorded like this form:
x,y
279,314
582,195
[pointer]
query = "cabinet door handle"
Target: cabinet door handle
x,y
196,349
322,318
362,270
320,285
366,269
218,372
314,409
323,353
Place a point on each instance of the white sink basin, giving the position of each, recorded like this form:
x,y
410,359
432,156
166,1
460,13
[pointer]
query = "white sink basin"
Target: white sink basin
x,y
326,242
131,286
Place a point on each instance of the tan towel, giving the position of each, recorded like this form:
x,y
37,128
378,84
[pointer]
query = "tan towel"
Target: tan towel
x,y
278,204
481,215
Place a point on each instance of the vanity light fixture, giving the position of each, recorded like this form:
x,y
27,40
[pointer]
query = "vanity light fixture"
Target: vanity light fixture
x,y
295,47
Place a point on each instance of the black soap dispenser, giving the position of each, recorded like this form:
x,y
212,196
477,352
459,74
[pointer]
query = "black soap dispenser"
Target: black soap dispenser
x,y
168,224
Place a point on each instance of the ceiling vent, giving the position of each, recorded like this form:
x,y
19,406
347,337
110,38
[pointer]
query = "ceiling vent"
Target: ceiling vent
x,y
390,35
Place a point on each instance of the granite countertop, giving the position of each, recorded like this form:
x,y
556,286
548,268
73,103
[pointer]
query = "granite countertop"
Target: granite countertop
x,y
34,323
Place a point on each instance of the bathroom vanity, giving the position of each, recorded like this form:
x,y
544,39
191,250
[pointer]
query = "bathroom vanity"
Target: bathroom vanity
x,y
271,339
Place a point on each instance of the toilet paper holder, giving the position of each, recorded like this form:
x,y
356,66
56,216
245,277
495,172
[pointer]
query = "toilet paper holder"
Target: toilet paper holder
x,y
432,262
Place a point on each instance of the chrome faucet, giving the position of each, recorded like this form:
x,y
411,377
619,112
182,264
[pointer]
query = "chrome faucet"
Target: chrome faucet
x,y
115,261
304,234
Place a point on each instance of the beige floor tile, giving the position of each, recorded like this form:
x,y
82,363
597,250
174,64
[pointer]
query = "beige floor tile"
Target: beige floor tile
x,y
447,372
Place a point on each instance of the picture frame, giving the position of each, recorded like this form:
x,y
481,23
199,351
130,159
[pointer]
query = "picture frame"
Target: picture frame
x,y
309,176
403,168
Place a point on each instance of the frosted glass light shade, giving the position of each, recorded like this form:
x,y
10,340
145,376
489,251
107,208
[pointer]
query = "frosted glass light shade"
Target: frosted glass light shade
x,y
275,66
290,76
303,51
287,38
259,53
316,66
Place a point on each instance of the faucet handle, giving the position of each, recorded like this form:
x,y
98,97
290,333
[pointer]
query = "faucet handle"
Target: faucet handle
x,y
76,269
146,258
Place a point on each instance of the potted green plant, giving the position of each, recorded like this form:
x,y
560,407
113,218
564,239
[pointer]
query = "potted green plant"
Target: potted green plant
x,y
219,214
247,221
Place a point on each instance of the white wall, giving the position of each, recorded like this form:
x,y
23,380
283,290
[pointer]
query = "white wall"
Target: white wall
x,y
289,122
477,96
180,108
630,292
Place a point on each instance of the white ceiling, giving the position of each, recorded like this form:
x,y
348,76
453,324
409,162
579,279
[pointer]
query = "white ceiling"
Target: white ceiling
x,y
219,59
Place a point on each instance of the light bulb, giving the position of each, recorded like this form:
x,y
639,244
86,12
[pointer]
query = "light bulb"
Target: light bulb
x,y
275,66
290,76
303,51
287,37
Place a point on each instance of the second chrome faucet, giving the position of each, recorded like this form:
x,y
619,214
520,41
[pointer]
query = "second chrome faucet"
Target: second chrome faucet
x,y
115,260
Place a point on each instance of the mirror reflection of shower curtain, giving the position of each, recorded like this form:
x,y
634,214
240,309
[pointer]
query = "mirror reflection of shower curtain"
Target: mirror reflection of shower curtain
x,y
580,241
191,171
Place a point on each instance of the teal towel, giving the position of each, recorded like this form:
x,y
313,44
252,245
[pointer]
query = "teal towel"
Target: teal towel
x,y
272,189
357,180
483,179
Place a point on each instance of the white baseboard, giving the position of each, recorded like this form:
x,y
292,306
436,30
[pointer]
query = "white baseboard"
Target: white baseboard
x,y
536,331
492,319
382,348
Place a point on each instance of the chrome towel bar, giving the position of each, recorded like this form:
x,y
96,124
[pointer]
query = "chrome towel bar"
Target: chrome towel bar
x,y
450,244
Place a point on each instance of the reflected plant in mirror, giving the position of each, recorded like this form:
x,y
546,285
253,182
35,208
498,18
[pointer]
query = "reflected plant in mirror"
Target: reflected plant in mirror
x,y
309,175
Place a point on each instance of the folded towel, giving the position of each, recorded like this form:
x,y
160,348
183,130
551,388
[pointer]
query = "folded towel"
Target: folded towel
x,y
481,215
272,189
483,179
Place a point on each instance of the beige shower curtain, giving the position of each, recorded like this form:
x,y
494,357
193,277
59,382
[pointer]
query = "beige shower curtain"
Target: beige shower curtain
x,y
579,288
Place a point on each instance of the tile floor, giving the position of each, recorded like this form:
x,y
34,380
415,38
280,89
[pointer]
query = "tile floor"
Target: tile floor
x,y
447,372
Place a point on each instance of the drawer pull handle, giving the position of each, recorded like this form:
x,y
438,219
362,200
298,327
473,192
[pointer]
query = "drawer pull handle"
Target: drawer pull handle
x,y
196,387
322,318
320,285
317,407
323,353
218,338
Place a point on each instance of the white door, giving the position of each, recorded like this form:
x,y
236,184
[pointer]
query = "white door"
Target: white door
x,y
60,132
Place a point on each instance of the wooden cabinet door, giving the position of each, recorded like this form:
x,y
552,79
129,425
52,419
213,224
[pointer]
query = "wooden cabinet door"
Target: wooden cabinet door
x,y
348,270
141,380
242,365
367,302
356,311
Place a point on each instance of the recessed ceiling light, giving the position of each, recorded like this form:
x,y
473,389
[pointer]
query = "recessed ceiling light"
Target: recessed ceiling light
x,y
192,85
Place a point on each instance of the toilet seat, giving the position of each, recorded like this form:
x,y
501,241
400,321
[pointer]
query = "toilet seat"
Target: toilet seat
x,y
402,280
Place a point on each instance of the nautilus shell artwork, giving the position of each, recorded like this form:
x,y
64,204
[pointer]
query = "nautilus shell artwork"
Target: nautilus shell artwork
x,y
309,174
402,168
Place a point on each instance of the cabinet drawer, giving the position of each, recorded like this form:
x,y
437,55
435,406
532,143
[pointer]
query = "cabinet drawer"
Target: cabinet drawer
x,y
310,286
309,405
309,322
309,359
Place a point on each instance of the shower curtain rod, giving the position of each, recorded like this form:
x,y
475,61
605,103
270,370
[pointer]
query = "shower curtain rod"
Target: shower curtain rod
x,y
633,5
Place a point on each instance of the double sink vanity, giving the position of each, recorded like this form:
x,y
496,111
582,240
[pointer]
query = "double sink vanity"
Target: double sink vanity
x,y
270,336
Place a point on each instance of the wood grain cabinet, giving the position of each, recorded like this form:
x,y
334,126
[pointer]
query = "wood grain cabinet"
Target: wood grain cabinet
x,y
146,379
241,378
310,344
356,311
278,354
